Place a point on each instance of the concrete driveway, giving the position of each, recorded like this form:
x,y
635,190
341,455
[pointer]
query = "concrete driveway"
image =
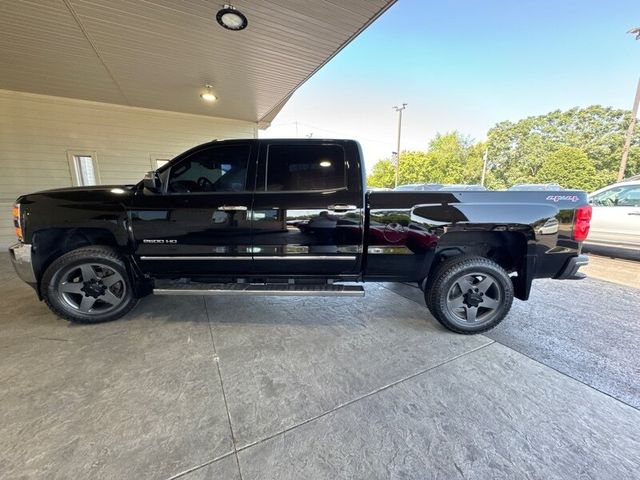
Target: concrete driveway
x,y
587,329
292,388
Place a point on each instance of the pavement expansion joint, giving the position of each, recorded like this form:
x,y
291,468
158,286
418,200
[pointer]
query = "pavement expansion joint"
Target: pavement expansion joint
x,y
216,360
362,397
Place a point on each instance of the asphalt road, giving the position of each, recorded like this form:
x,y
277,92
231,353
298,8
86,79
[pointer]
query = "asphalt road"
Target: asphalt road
x,y
586,329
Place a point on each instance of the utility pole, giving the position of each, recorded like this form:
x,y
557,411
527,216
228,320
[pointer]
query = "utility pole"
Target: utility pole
x,y
632,124
629,137
485,157
399,110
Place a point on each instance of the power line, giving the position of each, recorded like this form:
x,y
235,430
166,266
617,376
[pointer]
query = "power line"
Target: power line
x,y
314,127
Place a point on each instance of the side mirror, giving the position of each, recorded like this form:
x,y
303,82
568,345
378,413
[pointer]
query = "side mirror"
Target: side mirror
x,y
151,181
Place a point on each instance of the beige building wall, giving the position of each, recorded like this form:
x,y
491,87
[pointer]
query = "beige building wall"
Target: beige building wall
x,y
38,133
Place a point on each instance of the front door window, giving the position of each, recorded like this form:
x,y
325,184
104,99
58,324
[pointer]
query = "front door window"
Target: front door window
x,y
215,169
622,196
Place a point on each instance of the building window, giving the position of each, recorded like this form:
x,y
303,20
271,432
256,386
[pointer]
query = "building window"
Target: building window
x,y
161,163
84,168
86,172
159,160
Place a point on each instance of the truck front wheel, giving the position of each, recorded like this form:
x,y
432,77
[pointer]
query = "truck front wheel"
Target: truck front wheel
x,y
469,294
88,285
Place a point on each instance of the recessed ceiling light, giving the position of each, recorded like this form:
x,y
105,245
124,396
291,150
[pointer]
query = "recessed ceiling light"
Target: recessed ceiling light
x,y
208,95
231,18
325,163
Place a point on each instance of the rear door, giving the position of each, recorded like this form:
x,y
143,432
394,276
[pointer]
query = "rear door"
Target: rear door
x,y
200,223
308,208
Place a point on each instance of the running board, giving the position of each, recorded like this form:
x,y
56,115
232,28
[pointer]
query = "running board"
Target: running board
x,y
264,290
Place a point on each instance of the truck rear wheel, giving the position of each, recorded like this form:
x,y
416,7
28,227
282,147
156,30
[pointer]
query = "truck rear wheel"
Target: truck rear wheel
x,y
88,285
469,294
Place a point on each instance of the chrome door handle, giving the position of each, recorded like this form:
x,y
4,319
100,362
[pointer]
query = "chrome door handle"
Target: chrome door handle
x,y
342,207
232,208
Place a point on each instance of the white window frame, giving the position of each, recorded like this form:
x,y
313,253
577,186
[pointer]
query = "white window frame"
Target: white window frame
x,y
73,166
156,157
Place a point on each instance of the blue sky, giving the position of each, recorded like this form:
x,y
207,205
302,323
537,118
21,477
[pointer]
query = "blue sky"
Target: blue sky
x,y
466,65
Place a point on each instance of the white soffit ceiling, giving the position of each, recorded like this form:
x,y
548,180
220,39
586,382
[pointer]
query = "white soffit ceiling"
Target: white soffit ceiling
x,y
160,53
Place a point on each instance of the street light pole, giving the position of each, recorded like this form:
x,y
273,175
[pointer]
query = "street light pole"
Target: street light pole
x,y
485,158
629,137
399,110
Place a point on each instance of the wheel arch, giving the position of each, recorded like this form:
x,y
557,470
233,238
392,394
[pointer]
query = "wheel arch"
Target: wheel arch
x,y
509,249
51,243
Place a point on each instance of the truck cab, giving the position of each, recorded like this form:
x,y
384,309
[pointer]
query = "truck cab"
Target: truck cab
x,y
276,207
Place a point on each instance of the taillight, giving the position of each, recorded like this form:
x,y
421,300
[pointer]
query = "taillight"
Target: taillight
x,y
16,221
581,223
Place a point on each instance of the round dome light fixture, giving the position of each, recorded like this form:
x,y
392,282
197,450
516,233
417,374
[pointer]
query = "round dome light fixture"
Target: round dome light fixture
x,y
231,18
208,95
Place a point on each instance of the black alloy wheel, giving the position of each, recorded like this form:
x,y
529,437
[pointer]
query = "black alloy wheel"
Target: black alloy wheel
x,y
88,285
469,294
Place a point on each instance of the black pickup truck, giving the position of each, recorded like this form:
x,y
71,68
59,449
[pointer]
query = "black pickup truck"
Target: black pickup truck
x,y
291,217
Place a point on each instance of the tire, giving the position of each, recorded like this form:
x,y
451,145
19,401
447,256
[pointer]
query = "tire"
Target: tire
x,y
469,294
88,285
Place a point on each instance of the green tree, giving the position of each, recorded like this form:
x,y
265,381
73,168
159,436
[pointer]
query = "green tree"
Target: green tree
x,y
450,158
382,174
571,168
517,149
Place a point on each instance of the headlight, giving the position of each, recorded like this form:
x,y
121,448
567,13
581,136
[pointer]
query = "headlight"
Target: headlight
x,y
17,220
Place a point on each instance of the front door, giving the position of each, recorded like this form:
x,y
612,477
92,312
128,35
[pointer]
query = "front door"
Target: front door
x,y
307,212
200,223
616,217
